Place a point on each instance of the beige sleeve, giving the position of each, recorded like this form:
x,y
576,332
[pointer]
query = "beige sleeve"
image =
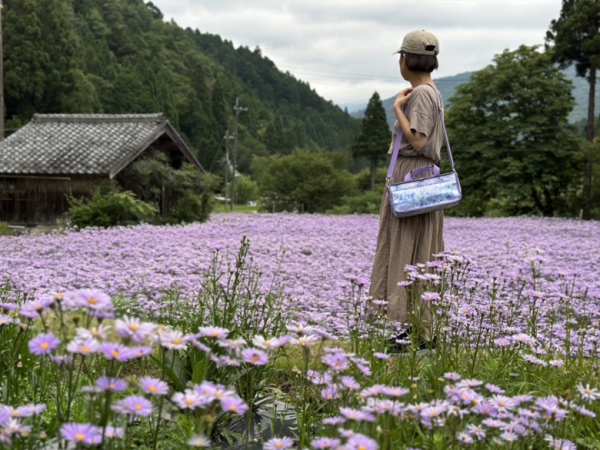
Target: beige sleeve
x,y
420,113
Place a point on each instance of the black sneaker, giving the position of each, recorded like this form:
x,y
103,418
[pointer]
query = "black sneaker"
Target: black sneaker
x,y
395,347
423,344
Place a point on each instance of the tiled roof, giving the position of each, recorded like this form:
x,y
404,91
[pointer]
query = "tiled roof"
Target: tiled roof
x,y
93,144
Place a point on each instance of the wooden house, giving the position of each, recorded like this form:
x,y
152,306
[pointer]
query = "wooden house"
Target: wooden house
x,y
59,154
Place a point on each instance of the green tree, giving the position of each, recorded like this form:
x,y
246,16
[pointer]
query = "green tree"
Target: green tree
x,y
374,138
308,182
576,38
514,149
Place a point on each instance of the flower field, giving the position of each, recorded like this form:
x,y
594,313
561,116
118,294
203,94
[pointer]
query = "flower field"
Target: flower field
x,y
182,337
322,254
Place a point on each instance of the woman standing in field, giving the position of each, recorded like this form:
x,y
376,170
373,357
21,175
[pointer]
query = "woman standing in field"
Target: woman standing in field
x,y
413,239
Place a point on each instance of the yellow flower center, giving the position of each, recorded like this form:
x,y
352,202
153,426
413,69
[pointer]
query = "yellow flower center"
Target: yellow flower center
x,y
45,345
84,349
351,416
15,414
176,341
80,437
588,392
362,447
95,333
115,353
189,401
233,407
37,307
112,386
279,445
138,407
255,358
133,327
92,301
152,389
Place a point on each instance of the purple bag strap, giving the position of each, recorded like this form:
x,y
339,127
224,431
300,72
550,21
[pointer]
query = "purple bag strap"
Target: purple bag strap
x,y
401,134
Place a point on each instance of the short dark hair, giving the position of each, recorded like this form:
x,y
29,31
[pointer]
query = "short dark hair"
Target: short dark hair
x,y
420,63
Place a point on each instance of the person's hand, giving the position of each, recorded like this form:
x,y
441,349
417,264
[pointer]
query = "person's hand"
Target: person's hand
x,y
403,98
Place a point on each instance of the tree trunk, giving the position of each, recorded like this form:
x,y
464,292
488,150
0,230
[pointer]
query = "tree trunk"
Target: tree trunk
x,y
589,165
373,172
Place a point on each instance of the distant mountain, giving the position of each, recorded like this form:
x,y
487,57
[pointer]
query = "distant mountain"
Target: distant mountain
x,y
447,87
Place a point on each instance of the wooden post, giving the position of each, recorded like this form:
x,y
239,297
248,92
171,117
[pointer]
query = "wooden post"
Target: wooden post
x,y
237,109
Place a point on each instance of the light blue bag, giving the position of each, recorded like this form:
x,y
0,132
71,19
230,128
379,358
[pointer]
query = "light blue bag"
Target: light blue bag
x,y
413,197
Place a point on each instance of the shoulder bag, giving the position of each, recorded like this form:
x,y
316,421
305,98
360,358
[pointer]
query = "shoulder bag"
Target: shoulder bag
x,y
436,192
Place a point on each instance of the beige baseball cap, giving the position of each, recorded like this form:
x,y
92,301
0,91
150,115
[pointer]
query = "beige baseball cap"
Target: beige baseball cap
x,y
420,42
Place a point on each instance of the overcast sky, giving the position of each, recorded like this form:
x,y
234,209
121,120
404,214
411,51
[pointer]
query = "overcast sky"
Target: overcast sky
x,y
343,48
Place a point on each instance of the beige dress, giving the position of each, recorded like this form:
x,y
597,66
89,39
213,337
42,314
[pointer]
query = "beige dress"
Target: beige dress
x,y
414,239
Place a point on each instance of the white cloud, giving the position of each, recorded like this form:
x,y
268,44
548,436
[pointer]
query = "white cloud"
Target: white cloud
x,y
343,47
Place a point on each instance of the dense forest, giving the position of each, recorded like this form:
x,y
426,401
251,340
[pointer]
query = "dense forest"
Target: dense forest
x,y
122,57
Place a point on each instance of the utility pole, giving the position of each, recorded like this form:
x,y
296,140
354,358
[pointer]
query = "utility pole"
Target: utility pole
x,y
1,78
237,110
227,138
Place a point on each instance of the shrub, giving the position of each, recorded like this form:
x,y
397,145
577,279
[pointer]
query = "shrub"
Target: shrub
x,y
191,207
366,203
108,207
4,230
308,182
247,190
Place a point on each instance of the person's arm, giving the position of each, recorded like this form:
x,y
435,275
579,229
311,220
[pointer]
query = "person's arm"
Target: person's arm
x,y
416,140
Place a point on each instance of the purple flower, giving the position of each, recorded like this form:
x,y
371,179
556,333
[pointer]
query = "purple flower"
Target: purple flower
x,y
81,433
255,357
111,384
93,299
430,296
83,347
199,441
336,420
325,442
395,391
360,442
234,405
383,356
350,383
43,344
5,320
330,393
214,332
278,443
112,432
115,351
134,405
190,400
132,328
494,389
153,386
452,376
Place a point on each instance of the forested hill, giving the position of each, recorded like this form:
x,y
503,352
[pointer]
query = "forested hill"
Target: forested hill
x,y
121,56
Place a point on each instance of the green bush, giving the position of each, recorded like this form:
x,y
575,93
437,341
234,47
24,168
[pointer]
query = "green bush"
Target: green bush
x,y
363,179
4,230
181,195
108,207
366,203
307,182
247,190
190,208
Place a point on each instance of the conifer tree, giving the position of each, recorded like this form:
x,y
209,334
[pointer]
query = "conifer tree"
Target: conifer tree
x,y
374,138
576,38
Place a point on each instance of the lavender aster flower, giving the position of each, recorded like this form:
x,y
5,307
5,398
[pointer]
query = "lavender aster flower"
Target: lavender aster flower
x,y
278,443
360,442
81,433
111,384
133,405
325,443
153,386
199,441
255,357
234,405
43,344
93,299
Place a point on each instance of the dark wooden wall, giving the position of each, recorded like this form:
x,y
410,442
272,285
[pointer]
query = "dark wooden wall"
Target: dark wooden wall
x,y
40,201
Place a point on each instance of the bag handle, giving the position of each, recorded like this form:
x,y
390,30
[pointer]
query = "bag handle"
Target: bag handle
x,y
401,134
